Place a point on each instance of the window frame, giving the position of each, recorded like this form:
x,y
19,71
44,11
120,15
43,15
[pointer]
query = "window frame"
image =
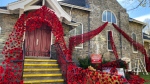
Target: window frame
x,y
74,29
136,41
0,30
109,40
112,13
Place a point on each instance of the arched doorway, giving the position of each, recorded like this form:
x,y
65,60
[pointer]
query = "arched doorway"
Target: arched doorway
x,y
37,21
38,42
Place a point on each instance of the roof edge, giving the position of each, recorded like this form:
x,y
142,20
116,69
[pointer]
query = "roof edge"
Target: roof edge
x,y
74,6
4,11
137,21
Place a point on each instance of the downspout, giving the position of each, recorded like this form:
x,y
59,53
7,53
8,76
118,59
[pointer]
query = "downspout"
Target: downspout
x,y
71,10
120,35
143,44
89,20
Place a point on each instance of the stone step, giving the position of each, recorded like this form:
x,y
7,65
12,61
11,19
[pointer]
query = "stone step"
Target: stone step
x,y
42,71
42,76
54,81
37,57
37,66
40,61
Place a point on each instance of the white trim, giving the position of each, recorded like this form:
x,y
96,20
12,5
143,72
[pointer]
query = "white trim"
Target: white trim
x,y
52,38
18,4
111,16
27,5
82,37
136,41
145,40
58,9
43,2
51,43
31,8
79,23
136,21
4,11
107,39
0,29
129,62
74,6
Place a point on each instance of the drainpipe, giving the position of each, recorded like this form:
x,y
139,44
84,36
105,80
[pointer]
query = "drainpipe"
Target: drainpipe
x,y
120,35
71,10
89,20
143,44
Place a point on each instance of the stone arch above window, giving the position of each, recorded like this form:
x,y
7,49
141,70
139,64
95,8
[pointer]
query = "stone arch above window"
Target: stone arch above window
x,y
109,16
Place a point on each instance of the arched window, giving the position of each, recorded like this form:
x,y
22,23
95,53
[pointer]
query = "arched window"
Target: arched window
x,y
109,16
135,39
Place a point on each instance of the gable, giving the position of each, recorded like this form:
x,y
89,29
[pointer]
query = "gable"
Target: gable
x,y
82,3
28,5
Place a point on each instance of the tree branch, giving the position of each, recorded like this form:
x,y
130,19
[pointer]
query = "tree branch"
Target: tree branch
x,y
137,5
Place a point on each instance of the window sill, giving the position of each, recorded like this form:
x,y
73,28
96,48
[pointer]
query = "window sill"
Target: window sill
x,y
135,51
110,50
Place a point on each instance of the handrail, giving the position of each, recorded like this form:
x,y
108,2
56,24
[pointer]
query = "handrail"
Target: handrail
x,y
16,61
62,52
63,62
23,57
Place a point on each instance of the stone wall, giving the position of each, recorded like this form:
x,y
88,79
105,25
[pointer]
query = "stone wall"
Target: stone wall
x,y
147,47
79,16
99,43
97,7
7,23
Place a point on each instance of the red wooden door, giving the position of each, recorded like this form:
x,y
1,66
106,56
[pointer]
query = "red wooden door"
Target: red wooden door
x,y
38,42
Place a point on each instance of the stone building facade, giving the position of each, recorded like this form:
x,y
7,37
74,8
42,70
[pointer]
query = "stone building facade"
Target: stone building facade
x,y
7,22
92,19
88,14
146,40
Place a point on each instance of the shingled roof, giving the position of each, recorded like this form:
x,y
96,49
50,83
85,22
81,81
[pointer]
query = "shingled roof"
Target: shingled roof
x,y
3,7
82,3
146,36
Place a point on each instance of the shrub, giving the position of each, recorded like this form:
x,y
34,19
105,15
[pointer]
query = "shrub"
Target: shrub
x,y
84,62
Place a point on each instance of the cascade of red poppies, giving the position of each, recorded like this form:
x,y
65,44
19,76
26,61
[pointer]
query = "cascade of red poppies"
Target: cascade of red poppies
x,y
12,71
76,40
113,45
139,46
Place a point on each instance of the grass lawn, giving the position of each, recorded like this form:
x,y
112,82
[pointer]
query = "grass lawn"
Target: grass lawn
x,y
146,77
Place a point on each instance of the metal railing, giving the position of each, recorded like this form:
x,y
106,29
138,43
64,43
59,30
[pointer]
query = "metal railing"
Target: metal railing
x,y
62,61
22,60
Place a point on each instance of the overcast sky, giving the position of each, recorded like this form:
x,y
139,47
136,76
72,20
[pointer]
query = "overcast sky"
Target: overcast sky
x,y
140,13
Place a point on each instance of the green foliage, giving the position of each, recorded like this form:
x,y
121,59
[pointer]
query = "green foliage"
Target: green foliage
x,y
122,64
84,62
127,75
146,77
105,61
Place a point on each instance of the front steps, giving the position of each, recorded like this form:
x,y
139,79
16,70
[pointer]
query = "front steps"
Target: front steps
x,y
42,71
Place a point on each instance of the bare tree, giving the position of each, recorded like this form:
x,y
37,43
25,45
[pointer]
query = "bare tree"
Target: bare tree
x,y
147,27
134,4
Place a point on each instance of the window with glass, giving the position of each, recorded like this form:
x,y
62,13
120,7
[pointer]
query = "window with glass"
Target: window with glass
x,y
108,41
77,31
109,16
134,48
